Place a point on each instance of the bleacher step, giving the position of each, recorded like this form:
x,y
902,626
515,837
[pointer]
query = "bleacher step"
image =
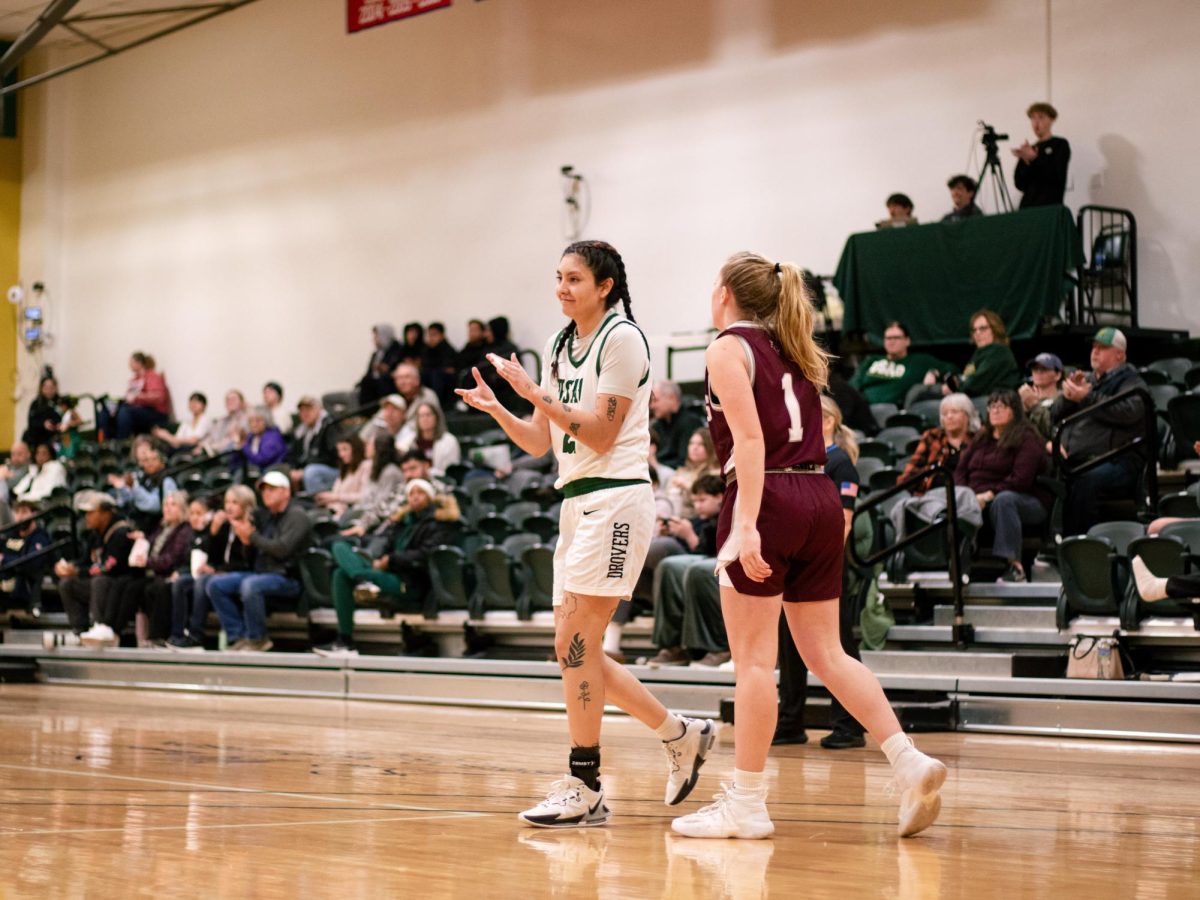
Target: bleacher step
x,y
894,662
999,616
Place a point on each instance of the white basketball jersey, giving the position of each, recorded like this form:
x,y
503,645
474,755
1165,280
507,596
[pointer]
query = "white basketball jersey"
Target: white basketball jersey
x,y
616,360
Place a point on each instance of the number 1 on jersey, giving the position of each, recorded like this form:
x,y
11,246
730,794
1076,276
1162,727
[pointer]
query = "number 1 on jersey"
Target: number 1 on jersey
x,y
790,401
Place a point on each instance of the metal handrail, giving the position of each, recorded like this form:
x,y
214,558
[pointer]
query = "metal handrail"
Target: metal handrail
x,y
961,632
1149,439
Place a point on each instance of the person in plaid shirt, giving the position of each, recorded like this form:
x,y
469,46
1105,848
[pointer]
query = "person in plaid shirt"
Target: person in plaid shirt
x,y
960,420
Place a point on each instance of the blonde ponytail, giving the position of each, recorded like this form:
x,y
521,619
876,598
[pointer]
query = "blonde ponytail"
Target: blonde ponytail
x,y
774,295
842,435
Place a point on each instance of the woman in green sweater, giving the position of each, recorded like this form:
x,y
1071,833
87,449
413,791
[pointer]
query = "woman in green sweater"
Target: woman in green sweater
x,y
992,367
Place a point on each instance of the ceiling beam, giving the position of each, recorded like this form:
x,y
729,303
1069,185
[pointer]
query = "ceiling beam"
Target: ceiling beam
x,y
54,13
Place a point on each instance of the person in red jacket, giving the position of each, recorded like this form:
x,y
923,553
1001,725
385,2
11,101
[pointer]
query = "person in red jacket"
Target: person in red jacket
x,y
1001,466
146,404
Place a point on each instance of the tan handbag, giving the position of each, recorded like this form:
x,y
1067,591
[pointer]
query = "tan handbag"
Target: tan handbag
x,y
1094,657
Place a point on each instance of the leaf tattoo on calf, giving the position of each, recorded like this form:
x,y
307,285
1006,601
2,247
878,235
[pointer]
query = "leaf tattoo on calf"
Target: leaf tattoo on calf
x,y
575,653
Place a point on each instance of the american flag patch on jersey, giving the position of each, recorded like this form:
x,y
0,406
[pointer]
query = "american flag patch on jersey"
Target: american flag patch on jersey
x,y
849,489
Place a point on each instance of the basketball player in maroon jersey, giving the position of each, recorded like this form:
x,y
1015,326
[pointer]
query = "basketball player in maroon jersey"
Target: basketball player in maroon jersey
x,y
780,534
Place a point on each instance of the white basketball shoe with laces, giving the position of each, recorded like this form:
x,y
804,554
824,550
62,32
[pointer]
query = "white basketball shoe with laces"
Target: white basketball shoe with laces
x,y
570,804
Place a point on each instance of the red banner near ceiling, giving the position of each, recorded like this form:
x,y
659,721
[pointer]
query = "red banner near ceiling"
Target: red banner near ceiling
x,y
362,14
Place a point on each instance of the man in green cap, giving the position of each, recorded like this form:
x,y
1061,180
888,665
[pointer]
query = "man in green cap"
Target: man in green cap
x,y
1112,427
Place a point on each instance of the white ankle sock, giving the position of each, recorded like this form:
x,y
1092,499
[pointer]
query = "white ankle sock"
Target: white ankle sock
x,y
672,728
612,638
895,745
749,782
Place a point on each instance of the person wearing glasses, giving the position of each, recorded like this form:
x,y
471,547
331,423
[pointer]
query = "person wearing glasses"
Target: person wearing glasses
x,y
992,367
888,377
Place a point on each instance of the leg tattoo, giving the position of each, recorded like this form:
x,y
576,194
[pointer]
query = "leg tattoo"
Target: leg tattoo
x,y
585,696
575,653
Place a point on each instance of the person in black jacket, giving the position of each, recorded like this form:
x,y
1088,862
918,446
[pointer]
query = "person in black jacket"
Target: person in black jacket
x,y
312,454
377,382
279,535
401,574
45,414
97,587
1041,173
438,370
1111,427
21,567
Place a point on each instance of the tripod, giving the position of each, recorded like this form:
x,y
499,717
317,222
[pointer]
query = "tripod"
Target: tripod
x,y
991,164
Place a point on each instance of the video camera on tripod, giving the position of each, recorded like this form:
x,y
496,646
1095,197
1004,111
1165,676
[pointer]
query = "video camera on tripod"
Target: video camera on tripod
x,y
991,140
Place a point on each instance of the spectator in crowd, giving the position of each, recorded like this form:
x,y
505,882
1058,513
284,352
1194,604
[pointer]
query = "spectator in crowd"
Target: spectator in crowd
x,y
474,351
228,432
660,472
1001,466
412,350
279,536
95,586
167,556
992,366
390,419
141,492
1041,173
24,569
192,432
942,445
427,431
888,377
402,574
264,446
438,370
856,410
841,459
1040,390
414,464
383,482
11,473
354,469
313,454
1106,430
962,195
377,382
674,425
215,548
272,393
407,379
498,339
690,620
701,460
147,401
45,414
1162,522
900,212
1152,588
41,478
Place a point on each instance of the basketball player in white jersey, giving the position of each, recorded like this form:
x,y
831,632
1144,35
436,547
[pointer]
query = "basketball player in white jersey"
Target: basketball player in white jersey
x,y
592,409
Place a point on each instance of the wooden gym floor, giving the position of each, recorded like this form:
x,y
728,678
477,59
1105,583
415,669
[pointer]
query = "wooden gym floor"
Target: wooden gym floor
x,y
109,793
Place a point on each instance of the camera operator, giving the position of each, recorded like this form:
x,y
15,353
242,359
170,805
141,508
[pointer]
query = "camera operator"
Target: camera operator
x,y
1041,173
962,195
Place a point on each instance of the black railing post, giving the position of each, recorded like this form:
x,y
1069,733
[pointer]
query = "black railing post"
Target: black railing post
x,y
961,632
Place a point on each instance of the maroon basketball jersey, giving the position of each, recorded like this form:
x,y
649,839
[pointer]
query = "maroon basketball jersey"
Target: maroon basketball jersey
x,y
789,409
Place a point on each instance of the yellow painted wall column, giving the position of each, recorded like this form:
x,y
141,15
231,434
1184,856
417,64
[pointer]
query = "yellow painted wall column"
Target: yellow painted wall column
x,y
10,231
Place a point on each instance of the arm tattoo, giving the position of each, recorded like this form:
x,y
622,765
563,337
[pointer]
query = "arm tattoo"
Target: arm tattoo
x,y
585,695
575,653
547,399
612,408
575,429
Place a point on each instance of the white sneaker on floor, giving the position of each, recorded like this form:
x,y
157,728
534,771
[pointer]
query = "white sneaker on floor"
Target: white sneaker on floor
x,y
734,814
919,778
99,635
685,756
1149,586
570,804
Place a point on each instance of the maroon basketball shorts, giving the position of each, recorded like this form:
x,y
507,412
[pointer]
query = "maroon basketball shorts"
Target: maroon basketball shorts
x,y
800,523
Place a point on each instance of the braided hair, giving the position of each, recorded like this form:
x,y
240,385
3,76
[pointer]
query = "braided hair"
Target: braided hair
x,y
604,262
